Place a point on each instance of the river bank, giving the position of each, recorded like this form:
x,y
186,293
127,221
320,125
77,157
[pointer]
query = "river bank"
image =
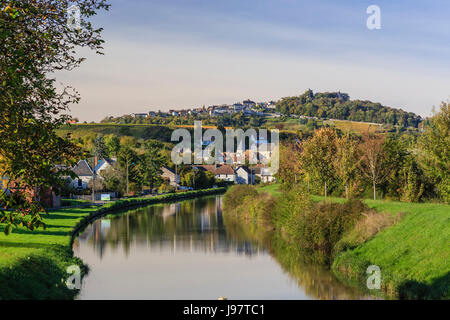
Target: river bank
x,y
33,264
408,241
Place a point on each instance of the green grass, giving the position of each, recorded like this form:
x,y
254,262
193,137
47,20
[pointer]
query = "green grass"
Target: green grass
x,y
413,254
33,263
272,189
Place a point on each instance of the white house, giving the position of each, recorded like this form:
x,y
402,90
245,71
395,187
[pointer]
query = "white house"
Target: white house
x,y
169,175
103,164
84,172
243,175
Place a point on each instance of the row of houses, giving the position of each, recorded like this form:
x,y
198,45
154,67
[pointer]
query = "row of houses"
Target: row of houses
x,y
236,174
247,107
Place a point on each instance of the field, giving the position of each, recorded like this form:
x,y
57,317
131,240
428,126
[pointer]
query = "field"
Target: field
x,y
139,131
163,132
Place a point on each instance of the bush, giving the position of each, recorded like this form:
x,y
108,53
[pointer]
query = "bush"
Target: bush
x,y
316,228
236,194
166,188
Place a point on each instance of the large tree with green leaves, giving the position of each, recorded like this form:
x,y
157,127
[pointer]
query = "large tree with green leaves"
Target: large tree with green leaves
x,y
35,42
150,163
317,156
434,152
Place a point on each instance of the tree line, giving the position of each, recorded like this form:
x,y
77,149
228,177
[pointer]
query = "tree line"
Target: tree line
x,y
402,167
336,105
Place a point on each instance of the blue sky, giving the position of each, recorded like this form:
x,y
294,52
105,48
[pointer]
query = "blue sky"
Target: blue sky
x,y
162,54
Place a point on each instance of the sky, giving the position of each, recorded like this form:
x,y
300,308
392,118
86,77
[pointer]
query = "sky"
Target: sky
x,y
175,54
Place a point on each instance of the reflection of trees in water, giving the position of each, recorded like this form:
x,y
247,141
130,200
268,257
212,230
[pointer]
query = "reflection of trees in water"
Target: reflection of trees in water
x,y
316,280
193,225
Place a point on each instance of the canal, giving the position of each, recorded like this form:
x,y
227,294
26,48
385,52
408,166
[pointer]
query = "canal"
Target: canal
x,y
184,251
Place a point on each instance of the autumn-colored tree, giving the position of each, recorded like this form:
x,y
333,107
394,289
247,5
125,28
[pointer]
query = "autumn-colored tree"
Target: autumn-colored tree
x,y
290,170
434,152
318,154
346,161
374,164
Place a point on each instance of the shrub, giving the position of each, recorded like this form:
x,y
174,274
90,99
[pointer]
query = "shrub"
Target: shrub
x,y
166,188
236,194
316,228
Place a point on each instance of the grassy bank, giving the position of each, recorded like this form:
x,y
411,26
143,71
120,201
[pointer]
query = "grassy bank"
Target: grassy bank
x,y
33,263
413,255
408,241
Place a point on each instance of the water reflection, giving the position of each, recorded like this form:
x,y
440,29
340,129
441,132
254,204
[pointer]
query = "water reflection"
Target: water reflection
x,y
188,226
186,251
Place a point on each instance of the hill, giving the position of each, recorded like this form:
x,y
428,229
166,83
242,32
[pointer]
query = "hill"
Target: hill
x,y
337,105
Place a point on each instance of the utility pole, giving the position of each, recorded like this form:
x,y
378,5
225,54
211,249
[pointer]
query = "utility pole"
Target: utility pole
x,y
93,181
176,175
127,176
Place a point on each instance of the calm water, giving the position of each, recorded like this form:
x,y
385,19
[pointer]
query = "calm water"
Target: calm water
x,y
183,251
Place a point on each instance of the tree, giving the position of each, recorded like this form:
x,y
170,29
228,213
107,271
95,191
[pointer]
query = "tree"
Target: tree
x,y
197,179
99,149
374,163
345,162
317,156
112,143
126,160
35,42
150,164
290,170
434,153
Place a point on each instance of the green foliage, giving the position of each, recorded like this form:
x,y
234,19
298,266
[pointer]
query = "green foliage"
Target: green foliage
x,y
166,188
35,44
336,105
435,150
99,149
236,194
150,163
197,178
317,157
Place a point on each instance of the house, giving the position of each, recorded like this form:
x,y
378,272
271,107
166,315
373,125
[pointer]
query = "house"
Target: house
x,y
264,173
238,107
222,172
104,164
244,175
170,176
225,172
139,115
84,172
249,103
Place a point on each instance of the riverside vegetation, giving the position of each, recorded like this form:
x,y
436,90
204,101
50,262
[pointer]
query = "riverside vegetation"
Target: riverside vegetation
x,y
407,241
